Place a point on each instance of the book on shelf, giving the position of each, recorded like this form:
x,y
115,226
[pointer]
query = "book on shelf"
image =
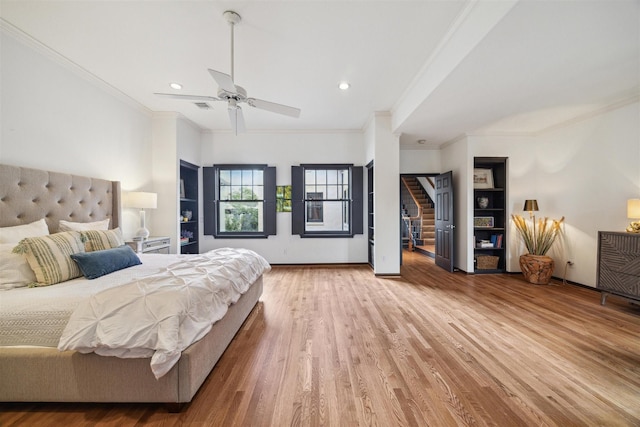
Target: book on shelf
x,y
494,241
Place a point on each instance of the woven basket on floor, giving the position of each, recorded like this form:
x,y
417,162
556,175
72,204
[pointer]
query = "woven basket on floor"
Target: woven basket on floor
x,y
487,262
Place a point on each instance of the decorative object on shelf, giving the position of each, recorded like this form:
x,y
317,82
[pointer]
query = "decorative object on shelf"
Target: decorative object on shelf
x,y
187,215
633,212
538,237
140,200
483,221
182,193
185,236
482,178
483,202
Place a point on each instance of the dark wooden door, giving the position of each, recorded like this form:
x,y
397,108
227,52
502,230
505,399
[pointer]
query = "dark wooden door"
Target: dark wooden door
x,y
444,221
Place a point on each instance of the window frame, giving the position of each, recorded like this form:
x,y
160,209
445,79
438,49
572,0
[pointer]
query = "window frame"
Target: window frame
x,y
354,201
213,201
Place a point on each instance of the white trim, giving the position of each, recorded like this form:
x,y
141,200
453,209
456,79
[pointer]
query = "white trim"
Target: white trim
x,y
13,31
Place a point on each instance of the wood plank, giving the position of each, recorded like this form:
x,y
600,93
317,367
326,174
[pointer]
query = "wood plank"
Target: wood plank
x,y
336,345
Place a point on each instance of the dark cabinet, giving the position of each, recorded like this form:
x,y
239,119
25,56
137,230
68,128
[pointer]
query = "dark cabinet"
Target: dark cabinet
x,y
189,208
489,214
370,228
618,264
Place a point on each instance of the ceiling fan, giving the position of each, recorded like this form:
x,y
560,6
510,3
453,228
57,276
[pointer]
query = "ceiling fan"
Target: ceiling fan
x,y
233,94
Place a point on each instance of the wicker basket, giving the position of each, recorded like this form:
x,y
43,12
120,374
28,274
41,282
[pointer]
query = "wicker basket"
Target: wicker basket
x,y
487,262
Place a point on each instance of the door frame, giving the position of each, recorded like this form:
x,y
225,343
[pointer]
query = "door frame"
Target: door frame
x,y
410,175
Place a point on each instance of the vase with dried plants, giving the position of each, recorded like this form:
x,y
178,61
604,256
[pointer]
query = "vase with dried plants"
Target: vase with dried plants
x,y
538,237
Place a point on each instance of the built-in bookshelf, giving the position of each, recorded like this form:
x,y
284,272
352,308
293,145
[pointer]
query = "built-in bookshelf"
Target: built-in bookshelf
x,y
370,228
489,214
189,208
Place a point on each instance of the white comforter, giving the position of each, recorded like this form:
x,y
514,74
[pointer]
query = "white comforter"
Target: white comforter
x,y
160,315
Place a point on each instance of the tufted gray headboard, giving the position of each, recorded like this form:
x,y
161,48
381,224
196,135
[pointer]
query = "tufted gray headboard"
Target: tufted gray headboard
x,y
27,195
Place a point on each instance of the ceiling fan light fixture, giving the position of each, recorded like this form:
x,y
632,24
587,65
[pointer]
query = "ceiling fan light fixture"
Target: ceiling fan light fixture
x,y
175,85
344,85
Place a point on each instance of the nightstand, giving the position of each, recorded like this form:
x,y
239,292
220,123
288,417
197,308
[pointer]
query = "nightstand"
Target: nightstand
x,y
151,245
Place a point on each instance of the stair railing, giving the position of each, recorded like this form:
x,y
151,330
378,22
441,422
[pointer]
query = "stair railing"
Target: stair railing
x,y
418,205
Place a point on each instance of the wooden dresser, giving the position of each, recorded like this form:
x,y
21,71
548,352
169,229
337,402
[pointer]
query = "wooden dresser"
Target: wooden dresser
x,y
618,264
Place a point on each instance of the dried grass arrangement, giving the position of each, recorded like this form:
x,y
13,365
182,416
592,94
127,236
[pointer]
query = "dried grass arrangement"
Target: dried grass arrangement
x,y
538,236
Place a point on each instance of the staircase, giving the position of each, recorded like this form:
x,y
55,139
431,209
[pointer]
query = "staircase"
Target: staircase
x,y
427,233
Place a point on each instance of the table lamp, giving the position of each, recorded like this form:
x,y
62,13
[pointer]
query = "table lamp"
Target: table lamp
x,y
633,212
140,200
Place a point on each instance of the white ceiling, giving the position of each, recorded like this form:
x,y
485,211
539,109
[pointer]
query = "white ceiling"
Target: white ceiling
x,y
443,68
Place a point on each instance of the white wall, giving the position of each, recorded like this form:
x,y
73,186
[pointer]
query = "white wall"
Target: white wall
x,y
283,150
420,161
386,199
584,171
55,118
455,158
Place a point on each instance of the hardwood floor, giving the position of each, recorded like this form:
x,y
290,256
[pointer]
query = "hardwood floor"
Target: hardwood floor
x,y
338,346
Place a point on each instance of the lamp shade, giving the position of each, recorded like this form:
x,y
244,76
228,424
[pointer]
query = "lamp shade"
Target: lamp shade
x,y
140,200
633,208
530,205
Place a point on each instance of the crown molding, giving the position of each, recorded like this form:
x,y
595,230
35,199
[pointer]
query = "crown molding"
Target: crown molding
x,y
11,30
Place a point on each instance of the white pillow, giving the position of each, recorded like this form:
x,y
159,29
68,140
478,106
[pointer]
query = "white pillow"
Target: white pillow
x,y
83,226
15,271
19,232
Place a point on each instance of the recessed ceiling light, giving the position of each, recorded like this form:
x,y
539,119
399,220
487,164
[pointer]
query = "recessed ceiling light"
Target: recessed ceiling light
x,y
344,85
175,85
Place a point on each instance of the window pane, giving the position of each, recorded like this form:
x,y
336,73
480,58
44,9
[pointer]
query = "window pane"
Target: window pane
x,y
309,176
332,192
225,177
236,177
236,192
241,216
258,192
332,176
225,192
321,176
314,209
344,176
247,177
326,216
258,177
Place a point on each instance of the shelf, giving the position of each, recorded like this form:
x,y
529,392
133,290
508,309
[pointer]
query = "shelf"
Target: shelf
x,y
189,202
496,209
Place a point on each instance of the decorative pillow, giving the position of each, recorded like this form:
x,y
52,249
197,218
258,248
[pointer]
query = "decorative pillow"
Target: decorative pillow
x,y
98,263
50,256
83,226
15,271
19,232
97,240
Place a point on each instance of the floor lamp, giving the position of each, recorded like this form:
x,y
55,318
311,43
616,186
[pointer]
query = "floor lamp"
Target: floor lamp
x,y
140,200
531,205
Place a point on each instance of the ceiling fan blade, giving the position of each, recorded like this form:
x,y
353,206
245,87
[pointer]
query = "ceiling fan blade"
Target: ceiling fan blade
x,y
273,107
237,119
189,97
224,80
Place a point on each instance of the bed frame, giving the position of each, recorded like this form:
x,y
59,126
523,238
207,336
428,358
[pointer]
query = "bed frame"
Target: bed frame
x,y
48,375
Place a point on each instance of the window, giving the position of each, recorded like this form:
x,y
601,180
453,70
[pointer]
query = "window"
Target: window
x,y
239,200
326,200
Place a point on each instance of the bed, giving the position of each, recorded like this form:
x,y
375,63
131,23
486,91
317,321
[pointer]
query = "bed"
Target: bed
x,y
44,374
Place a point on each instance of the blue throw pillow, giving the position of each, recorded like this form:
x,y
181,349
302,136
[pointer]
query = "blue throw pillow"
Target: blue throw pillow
x,y
98,263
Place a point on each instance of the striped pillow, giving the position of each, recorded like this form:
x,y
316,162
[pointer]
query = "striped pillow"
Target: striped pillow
x,y
98,240
50,256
